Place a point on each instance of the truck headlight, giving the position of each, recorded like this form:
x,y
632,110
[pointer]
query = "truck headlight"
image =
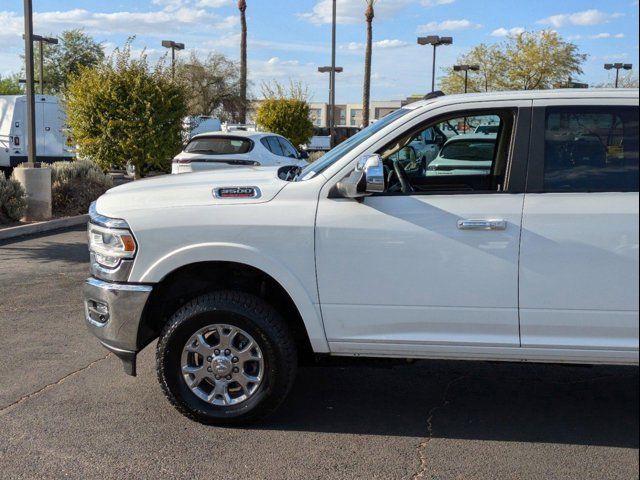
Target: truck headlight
x,y
110,245
110,240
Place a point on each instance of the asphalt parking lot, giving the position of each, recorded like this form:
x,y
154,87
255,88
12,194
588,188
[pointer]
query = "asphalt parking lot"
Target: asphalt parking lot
x,y
68,410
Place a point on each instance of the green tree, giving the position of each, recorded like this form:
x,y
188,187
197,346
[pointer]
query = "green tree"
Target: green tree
x,y
526,61
125,110
75,50
212,85
285,111
9,85
369,14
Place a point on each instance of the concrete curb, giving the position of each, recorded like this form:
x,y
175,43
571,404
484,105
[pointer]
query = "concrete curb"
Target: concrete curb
x,y
42,227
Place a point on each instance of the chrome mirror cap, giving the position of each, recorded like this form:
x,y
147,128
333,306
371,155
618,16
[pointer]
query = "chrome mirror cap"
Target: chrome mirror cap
x,y
367,178
373,169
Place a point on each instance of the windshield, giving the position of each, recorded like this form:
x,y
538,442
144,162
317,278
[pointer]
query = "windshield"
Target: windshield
x,y
219,145
345,147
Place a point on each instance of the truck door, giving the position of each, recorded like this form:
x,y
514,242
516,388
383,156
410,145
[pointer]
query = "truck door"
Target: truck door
x,y
52,130
432,267
40,132
579,252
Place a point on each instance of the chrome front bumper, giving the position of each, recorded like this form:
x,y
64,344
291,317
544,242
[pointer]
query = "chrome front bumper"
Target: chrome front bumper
x,y
113,312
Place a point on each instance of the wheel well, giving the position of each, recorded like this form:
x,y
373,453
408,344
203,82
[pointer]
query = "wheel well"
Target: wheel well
x,y
190,281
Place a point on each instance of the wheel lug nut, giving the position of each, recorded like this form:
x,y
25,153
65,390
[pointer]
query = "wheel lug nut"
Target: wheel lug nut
x,y
228,377
209,358
216,351
227,352
236,369
234,359
217,377
209,369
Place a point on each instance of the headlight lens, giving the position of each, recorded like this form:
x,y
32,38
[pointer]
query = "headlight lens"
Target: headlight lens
x,y
110,245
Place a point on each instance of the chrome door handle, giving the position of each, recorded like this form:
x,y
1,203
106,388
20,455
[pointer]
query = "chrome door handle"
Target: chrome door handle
x,y
492,224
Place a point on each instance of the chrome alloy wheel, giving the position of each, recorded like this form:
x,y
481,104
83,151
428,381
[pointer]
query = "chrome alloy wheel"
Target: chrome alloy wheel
x,y
222,364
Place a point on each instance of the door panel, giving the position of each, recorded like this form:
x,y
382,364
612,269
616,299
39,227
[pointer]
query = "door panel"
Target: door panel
x,y
53,125
40,141
397,269
579,253
579,270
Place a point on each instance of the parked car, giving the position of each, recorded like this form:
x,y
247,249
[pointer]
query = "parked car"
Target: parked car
x,y
51,138
321,139
243,273
493,129
470,154
216,150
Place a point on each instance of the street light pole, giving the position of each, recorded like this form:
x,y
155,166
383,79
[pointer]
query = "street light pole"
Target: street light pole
x,y
36,181
41,41
465,69
332,77
618,66
331,70
28,56
173,46
436,41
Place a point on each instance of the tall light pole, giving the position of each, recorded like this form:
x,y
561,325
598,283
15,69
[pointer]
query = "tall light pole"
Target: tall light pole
x,y
173,46
436,41
28,57
465,69
618,66
35,181
42,40
332,76
331,70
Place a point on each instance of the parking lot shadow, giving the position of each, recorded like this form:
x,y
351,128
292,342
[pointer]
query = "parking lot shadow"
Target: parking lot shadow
x,y
39,249
467,400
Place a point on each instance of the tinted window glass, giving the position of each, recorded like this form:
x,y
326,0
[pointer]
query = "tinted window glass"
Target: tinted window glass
x,y
591,149
219,145
288,149
274,146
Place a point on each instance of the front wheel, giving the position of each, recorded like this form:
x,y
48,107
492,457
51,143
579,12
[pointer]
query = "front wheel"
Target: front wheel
x,y
226,358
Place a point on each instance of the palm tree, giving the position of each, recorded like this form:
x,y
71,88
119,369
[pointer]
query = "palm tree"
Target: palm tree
x,y
368,15
242,6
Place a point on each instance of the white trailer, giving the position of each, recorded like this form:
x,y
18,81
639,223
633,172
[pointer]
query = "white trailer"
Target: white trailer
x,y
51,139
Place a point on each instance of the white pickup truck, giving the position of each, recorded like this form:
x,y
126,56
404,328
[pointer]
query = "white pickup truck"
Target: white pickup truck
x,y
243,273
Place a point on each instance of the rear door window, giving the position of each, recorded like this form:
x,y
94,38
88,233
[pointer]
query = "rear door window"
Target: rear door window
x,y
287,148
274,146
591,149
219,145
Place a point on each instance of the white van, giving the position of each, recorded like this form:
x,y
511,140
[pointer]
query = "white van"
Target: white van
x,y
51,140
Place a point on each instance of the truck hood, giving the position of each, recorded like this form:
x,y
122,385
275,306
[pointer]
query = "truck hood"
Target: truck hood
x,y
190,189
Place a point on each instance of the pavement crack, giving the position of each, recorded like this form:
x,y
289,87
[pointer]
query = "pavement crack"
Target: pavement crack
x,y
49,386
422,446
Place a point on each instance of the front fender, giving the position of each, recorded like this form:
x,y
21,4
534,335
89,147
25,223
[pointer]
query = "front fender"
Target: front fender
x,y
238,253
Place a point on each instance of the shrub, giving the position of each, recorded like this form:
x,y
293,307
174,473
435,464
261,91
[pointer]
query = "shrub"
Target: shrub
x,y
127,110
13,201
285,111
74,185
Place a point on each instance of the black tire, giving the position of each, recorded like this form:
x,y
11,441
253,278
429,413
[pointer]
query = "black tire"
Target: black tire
x,y
255,317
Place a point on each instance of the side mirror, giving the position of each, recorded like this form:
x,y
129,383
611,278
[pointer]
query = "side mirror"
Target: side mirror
x,y
367,178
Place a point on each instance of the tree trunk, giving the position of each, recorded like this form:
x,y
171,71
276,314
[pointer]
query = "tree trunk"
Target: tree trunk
x,y
242,6
367,66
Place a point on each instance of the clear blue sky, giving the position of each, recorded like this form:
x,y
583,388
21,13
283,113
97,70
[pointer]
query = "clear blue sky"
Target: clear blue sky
x,y
291,38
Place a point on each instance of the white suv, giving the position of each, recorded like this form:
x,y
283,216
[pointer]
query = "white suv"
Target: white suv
x,y
243,273
217,150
